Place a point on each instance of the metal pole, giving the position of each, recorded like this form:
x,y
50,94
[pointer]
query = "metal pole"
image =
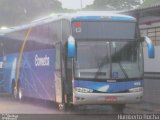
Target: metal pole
x,y
81,5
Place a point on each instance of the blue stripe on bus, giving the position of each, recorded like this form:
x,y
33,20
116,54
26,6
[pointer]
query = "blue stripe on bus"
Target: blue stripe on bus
x,y
108,87
97,18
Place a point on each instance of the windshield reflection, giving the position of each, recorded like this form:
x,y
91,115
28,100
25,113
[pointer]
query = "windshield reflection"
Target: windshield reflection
x,y
92,60
125,58
108,60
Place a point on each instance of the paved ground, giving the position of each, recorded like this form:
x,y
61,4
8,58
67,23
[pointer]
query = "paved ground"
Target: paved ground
x,y
29,106
49,110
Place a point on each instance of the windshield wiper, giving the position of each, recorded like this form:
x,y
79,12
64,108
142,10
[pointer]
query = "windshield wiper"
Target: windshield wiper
x,y
123,70
103,62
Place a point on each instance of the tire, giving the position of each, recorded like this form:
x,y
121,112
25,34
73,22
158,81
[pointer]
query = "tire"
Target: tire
x,y
17,91
118,108
62,107
14,91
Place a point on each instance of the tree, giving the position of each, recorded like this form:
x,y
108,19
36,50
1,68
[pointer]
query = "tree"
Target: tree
x,y
113,5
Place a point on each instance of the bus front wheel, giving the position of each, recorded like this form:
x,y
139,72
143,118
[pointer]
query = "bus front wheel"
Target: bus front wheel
x,y
61,107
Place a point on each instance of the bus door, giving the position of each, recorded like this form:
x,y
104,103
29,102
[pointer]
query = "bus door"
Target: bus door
x,y
70,51
1,67
58,75
1,75
69,73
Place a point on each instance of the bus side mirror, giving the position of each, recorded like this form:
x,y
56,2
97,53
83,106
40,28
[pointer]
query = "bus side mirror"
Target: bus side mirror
x,y
150,47
71,47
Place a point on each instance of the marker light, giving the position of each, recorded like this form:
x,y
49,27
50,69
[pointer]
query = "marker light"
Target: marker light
x,y
83,90
138,89
77,24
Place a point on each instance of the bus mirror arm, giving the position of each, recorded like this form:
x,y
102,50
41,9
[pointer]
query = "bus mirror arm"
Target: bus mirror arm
x,y
71,47
150,47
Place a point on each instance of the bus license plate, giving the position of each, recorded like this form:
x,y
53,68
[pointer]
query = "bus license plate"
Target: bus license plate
x,y
111,99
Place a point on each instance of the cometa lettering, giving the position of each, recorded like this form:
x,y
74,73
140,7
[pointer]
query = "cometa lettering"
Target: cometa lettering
x,y
41,61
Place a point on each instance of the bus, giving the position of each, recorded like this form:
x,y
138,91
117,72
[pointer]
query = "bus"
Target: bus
x,y
76,59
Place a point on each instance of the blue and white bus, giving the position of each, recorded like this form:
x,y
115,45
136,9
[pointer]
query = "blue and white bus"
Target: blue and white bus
x,y
76,59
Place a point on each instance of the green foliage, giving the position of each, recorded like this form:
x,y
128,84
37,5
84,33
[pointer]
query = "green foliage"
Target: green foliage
x,y
113,5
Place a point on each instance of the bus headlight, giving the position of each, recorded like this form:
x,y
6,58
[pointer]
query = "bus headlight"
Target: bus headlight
x,y
137,89
83,90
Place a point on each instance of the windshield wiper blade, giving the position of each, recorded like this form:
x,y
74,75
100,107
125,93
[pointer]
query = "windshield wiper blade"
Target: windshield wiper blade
x,y
103,62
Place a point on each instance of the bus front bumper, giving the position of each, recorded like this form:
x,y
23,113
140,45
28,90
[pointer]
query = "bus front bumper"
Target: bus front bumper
x,y
105,98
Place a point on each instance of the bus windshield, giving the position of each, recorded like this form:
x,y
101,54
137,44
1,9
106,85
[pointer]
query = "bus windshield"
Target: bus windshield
x,y
109,60
126,58
90,56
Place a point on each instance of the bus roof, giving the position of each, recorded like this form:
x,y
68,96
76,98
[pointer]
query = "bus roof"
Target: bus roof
x,y
79,16
99,16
